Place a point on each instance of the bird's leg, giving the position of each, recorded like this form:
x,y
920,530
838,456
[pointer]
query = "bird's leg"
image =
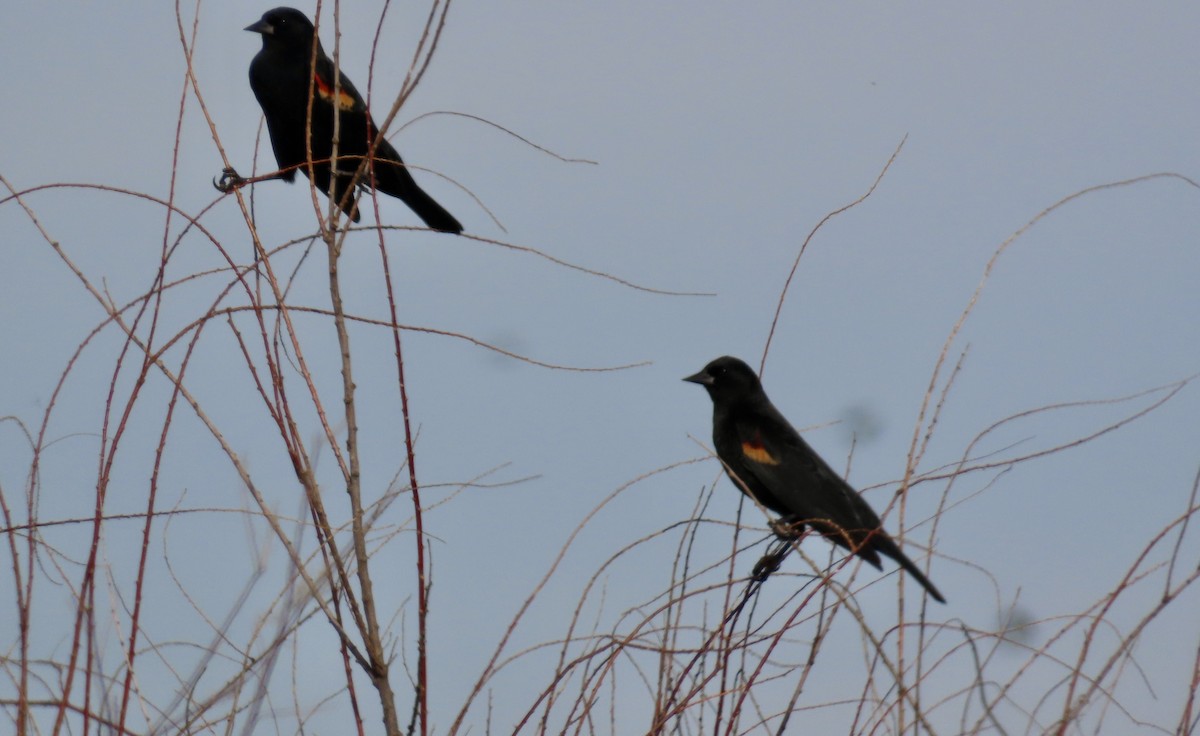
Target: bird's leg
x,y
231,180
788,528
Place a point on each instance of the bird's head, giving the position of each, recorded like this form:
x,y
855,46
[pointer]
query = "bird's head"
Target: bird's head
x,y
284,27
727,379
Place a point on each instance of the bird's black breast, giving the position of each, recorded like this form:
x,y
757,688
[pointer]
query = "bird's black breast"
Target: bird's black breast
x,y
733,429
283,81
281,87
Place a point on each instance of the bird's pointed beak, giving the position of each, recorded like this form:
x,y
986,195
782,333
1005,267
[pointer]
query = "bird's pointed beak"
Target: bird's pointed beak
x,y
261,26
701,378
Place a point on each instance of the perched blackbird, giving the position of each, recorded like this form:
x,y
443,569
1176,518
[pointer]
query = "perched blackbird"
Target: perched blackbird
x,y
282,76
766,457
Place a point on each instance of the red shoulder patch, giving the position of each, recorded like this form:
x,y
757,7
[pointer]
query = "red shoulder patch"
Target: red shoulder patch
x,y
345,101
755,450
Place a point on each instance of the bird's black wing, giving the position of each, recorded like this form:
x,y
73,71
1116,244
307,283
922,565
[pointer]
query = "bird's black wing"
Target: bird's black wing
x,y
358,131
358,134
776,457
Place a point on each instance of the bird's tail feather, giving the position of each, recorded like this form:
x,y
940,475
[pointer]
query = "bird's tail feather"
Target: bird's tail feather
x,y
394,179
892,550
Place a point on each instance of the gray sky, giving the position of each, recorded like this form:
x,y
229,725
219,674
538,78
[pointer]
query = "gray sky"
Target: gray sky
x,y
723,133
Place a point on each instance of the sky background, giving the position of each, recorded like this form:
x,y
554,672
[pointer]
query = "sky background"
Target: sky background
x,y
722,134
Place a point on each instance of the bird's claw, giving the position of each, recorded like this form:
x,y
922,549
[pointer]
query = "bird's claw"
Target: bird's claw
x,y
228,181
786,529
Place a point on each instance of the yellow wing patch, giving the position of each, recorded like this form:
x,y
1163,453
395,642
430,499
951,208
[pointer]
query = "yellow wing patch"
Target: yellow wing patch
x,y
345,101
754,450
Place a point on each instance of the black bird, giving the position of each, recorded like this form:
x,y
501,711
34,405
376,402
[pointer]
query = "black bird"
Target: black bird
x,y
282,75
769,460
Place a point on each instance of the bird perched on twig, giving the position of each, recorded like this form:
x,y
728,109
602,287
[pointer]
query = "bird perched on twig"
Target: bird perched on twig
x,y
284,76
769,461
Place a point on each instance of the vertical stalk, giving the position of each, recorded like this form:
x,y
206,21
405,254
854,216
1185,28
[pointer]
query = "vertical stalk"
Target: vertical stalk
x,y
373,640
